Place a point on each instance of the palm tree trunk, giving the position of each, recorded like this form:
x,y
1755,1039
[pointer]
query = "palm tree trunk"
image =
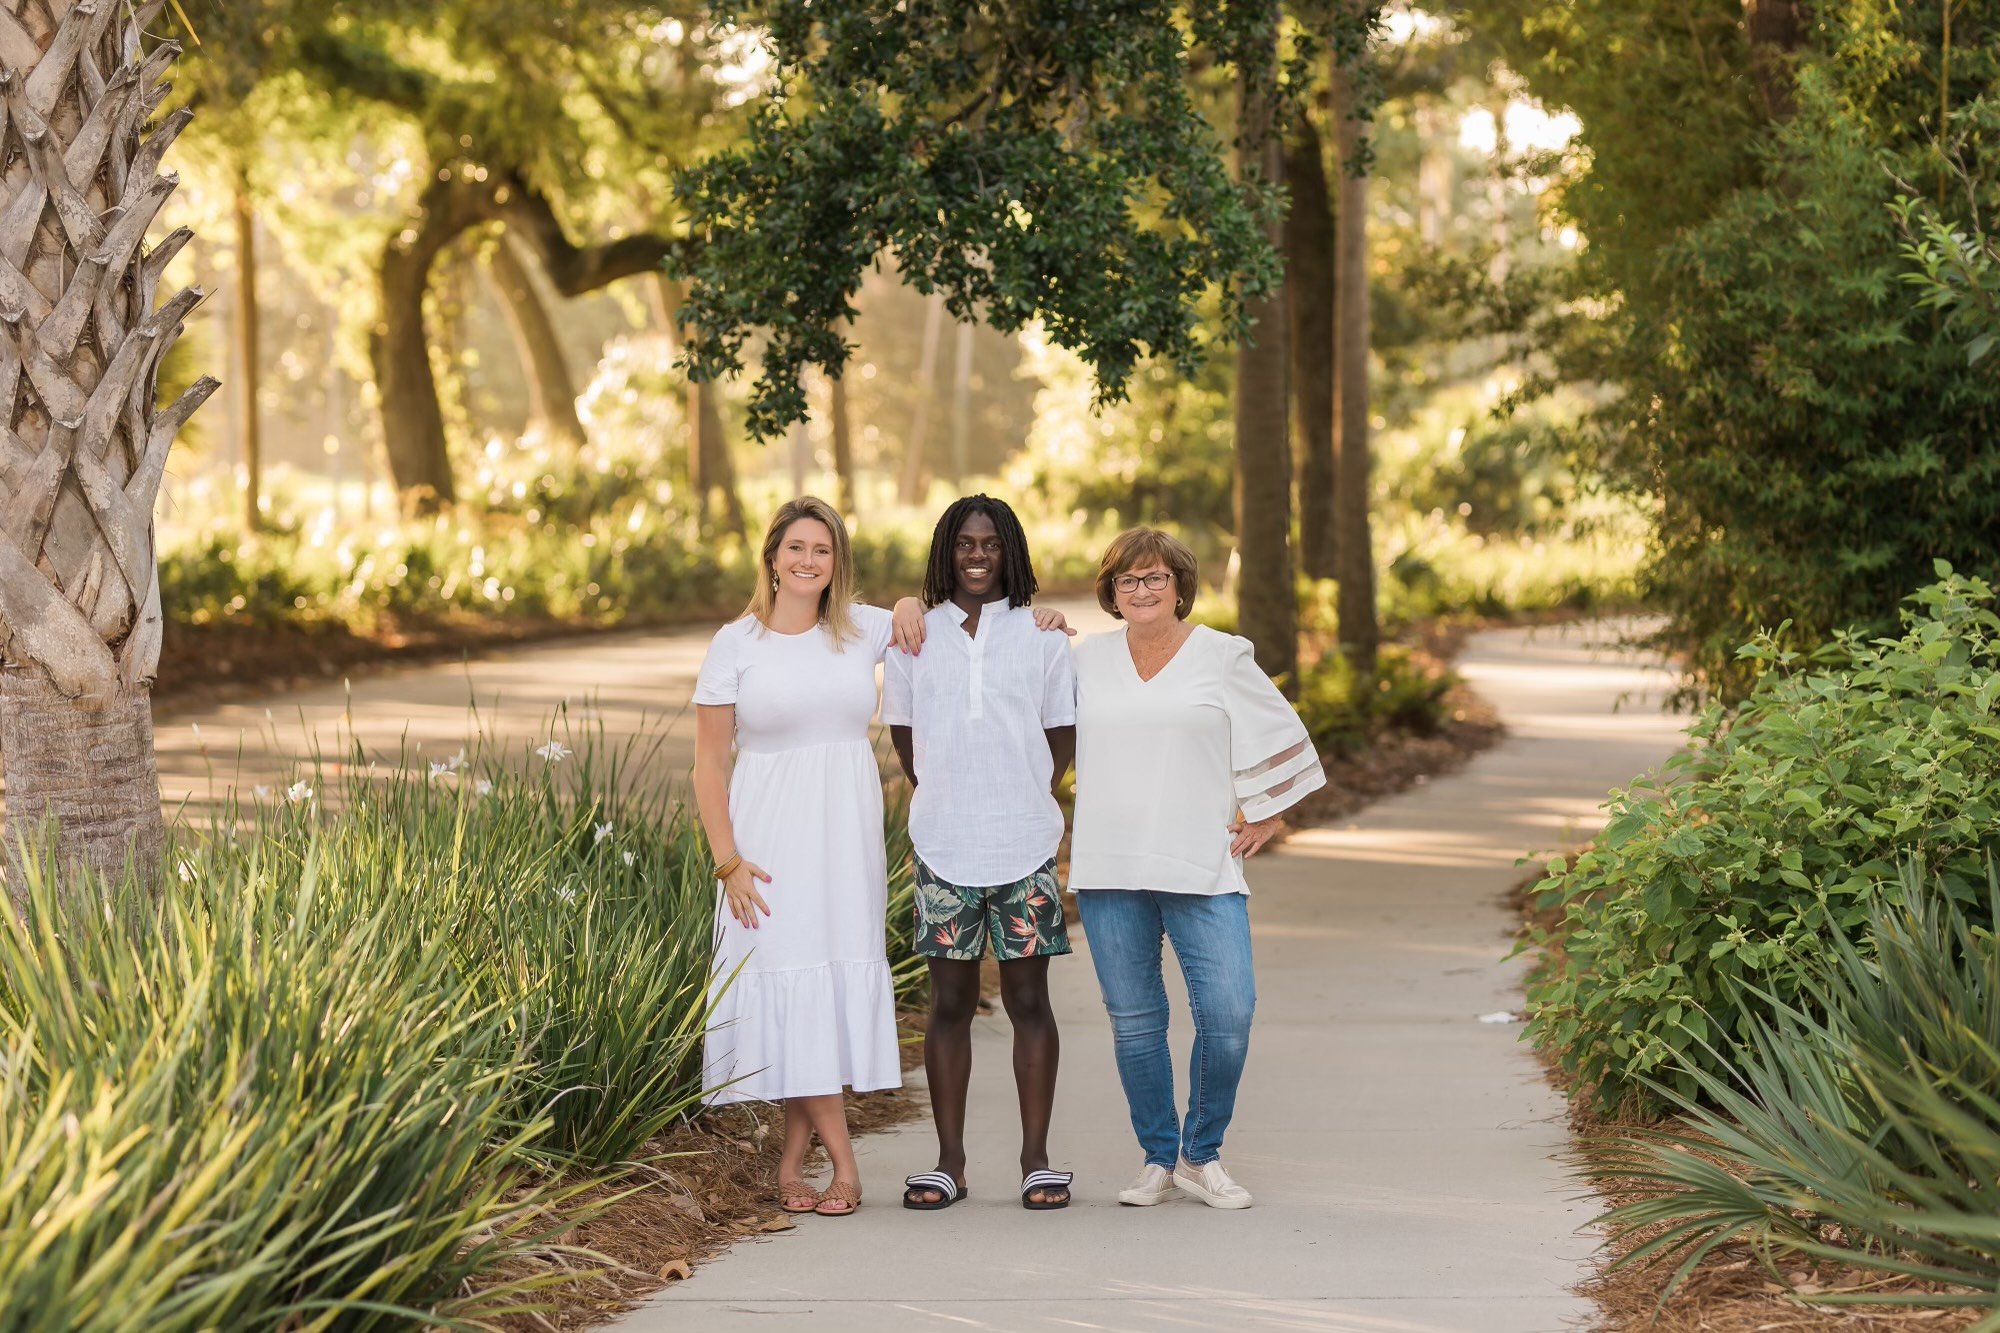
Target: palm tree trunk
x,y
85,443
1309,288
1266,602
551,391
1360,635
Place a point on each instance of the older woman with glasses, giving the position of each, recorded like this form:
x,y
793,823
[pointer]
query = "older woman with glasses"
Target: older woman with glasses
x,y
1186,757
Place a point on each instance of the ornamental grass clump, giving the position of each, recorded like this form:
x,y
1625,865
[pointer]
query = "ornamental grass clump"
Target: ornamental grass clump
x,y
1859,1124
1768,842
367,1042
243,1105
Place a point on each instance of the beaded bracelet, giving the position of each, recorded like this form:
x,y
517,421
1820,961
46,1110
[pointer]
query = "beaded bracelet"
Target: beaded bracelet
x,y
722,871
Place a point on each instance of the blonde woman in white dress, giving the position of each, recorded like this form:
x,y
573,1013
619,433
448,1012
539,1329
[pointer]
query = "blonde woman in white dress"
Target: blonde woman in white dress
x,y
804,1006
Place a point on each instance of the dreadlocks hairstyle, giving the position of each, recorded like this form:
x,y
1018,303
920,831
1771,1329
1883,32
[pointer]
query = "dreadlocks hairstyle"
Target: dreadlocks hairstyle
x,y
1017,572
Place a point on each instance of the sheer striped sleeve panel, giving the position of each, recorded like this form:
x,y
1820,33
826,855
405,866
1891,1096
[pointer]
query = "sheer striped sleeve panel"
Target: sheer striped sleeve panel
x,y
1274,760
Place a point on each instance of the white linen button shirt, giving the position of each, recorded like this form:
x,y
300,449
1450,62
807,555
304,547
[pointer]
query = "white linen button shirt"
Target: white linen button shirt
x,y
977,708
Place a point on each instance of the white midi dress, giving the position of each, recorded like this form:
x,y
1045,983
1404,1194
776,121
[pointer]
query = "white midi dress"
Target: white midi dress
x,y
803,1004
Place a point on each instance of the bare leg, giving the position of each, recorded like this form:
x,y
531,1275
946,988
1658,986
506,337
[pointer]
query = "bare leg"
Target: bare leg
x,y
1024,991
792,1159
828,1115
948,1062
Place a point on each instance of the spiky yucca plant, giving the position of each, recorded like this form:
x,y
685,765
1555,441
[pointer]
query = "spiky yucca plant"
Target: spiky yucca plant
x,y
83,444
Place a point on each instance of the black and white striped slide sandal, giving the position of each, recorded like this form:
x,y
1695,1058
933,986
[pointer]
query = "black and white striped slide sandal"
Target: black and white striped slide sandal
x,y
1047,1182
931,1182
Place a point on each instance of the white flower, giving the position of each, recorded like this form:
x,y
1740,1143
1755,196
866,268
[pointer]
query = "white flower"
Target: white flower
x,y
186,872
631,858
298,791
567,893
261,792
482,787
443,772
600,833
555,752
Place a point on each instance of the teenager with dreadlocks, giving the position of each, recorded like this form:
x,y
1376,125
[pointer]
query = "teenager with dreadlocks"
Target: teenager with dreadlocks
x,y
984,723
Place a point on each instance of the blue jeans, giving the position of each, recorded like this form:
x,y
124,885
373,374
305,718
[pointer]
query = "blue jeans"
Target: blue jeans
x,y
1211,938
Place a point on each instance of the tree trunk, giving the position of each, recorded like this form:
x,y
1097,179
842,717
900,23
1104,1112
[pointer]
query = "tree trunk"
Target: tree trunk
x,y
244,360
1775,29
1266,601
961,408
399,347
1309,288
912,490
710,464
1354,555
551,391
85,445
80,771
843,445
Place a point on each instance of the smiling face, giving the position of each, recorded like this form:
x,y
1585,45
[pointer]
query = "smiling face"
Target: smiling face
x,y
975,560
1143,606
803,562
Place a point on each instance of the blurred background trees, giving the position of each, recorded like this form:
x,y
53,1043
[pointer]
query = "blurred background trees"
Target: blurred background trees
x,y
1553,298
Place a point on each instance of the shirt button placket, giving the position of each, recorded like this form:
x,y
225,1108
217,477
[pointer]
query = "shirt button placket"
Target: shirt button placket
x,y
977,680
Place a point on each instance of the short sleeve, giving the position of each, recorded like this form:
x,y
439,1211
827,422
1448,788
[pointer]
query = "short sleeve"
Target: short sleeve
x,y
1272,754
875,625
898,689
1058,681
720,669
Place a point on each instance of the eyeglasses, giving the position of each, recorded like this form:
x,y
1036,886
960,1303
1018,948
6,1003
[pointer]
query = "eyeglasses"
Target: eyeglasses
x,y
1156,581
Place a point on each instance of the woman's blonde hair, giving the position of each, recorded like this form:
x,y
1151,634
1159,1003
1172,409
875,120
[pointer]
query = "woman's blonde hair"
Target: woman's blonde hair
x,y
836,600
1135,548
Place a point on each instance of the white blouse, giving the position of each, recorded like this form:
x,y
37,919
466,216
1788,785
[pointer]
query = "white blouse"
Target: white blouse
x,y
979,709
1163,766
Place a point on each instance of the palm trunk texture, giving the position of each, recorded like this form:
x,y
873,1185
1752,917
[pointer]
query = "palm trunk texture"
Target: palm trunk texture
x,y
85,444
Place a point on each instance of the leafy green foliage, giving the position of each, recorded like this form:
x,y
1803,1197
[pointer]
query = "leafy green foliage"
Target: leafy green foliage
x,y
1770,839
338,1062
1039,160
1343,713
1860,1124
1812,436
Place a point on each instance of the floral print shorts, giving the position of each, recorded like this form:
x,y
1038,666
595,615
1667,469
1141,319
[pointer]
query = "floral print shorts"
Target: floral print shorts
x,y
1022,920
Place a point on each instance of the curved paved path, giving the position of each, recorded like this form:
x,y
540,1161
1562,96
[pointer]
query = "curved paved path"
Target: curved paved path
x,y
1401,1151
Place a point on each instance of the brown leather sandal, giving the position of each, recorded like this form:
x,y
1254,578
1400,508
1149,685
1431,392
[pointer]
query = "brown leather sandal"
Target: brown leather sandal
x,y
789,1191
846,1192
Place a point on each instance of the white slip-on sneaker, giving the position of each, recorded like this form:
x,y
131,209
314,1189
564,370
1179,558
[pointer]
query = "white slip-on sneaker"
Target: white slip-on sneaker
x,y
1154,1185
1211,1184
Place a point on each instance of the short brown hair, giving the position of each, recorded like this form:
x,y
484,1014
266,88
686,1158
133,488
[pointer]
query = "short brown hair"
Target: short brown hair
x,y
1135,547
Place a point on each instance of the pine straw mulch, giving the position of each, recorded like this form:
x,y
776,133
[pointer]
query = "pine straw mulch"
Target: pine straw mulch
x,y
1736,1288
705,1184
709,1183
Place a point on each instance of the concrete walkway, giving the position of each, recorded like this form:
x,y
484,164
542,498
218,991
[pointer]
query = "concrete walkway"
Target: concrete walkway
x,y
1401,1151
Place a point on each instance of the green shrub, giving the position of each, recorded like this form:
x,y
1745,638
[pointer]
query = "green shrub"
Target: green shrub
x,y
1343,714
1770,838
1861,1125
